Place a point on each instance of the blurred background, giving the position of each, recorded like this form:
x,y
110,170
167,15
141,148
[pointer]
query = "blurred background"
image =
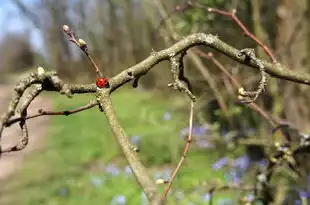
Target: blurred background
x,y
78,161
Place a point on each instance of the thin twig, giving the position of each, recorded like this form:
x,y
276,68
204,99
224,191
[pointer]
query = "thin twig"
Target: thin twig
x,y
237,85
234,17
82,45
42,112
190,4
185,152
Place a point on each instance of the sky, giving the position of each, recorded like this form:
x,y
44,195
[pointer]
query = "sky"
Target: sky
x,y
11,20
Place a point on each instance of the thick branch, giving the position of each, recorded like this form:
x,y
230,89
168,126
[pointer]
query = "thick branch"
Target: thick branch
x,y
128,149
209,40
48,81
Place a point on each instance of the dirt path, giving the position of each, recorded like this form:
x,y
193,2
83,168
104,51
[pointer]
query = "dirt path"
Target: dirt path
x,y
37,128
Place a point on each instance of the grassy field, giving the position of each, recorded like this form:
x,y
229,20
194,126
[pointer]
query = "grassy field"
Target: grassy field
x,y
82,164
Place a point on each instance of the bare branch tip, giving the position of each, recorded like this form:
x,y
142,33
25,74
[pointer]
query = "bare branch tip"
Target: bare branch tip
x,y
241,91
40,70
66,28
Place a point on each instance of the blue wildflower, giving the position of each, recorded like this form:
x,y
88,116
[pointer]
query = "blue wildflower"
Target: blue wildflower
x,y
206,197
303,194
184,132
135,140
250,197
112,169
241,162
119,200
220,163
204,144
96,181
158,175
198,131
262,163
64,191
167,173
128,170
235,177
167,116
179,195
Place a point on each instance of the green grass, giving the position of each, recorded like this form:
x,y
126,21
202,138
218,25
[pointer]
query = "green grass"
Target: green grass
x,y
78,147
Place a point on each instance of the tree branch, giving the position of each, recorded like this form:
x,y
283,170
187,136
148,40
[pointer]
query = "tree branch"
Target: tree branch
x,y
42,112
128,149
209,40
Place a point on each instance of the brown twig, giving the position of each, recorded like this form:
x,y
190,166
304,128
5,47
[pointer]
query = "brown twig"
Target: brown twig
x,y
178,9
181,83
185,152
234,17
237,85
190,4
271,120
82,45
42,112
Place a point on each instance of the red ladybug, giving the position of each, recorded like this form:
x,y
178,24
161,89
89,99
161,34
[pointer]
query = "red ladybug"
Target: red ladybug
x,y
102,82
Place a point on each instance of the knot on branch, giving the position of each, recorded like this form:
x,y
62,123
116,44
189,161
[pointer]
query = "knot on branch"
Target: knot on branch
x,y
249,53
251,96
51,82
180,83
